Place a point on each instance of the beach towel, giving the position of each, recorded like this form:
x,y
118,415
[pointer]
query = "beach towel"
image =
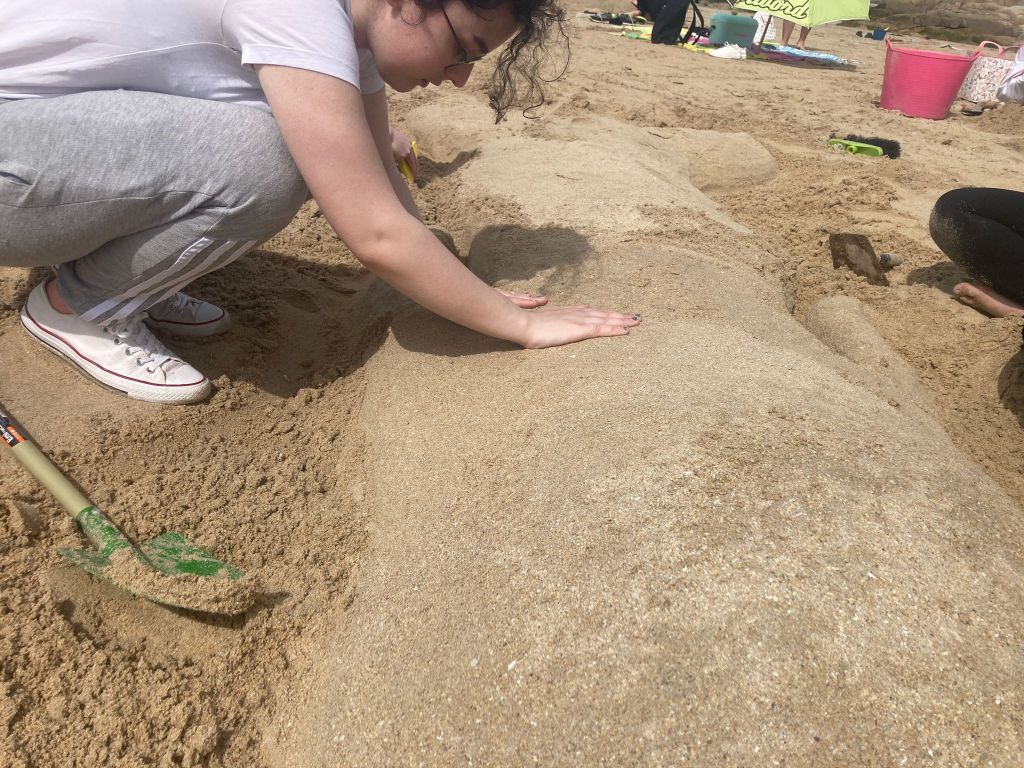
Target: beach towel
x,y
766,52
702,43
787,53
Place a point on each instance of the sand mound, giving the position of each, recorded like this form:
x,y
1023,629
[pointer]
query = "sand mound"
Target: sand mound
x,y
594,172
839,322
673,548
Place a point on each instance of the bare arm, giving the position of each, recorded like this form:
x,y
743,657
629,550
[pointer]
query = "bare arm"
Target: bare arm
x,y
376,107
340,155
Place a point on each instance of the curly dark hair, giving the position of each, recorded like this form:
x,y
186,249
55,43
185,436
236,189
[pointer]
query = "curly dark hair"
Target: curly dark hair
x,y
517,81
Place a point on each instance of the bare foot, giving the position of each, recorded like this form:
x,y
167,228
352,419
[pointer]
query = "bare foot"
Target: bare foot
x,y
986,300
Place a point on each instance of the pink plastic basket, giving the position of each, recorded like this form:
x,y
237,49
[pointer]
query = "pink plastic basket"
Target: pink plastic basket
x,y
922,83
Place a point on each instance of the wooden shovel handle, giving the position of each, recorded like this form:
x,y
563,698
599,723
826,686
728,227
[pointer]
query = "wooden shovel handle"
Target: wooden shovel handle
x,y
41,468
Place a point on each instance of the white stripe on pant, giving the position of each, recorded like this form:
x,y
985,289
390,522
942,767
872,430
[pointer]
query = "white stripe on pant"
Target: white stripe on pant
x,y
168,282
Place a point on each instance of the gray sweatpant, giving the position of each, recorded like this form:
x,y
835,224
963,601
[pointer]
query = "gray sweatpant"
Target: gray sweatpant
x,y
134,195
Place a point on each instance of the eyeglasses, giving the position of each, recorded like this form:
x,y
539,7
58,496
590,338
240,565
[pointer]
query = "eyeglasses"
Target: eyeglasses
x,y
464,57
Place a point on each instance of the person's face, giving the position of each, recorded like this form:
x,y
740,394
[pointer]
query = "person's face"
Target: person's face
x,y
417,47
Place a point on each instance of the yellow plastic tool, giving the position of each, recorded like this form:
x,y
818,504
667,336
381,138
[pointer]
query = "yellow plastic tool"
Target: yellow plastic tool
x,y
404,165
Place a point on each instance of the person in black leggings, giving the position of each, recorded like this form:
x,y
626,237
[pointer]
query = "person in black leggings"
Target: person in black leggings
x,y
982,230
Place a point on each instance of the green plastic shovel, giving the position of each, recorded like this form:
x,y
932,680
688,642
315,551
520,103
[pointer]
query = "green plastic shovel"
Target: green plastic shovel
x,y
166,569
855,147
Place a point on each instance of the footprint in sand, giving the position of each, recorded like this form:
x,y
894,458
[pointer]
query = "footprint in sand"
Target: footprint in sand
x,y
301,300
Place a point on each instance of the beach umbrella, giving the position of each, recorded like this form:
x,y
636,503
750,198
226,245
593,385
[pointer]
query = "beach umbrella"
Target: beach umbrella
x,y
808,13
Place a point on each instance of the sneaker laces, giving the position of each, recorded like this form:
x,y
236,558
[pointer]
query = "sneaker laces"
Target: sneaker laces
x,y
141,344
177,304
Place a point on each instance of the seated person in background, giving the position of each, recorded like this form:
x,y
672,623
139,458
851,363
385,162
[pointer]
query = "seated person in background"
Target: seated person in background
x,y
982,230
669,17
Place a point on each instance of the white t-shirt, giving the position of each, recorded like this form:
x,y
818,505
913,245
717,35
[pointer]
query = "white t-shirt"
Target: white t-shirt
x,y
1012,87
204,49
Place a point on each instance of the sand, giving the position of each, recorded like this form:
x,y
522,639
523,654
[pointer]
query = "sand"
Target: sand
x,y
216,593
778,524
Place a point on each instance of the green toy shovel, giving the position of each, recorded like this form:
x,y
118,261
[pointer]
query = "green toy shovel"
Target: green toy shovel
x,y
856,147
166,569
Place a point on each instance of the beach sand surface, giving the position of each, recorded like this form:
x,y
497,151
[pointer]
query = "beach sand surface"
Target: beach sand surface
x,y
777,524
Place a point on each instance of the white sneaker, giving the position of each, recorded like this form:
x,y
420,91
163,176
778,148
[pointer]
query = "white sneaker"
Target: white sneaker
x,y
184,316
729,51
124,356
